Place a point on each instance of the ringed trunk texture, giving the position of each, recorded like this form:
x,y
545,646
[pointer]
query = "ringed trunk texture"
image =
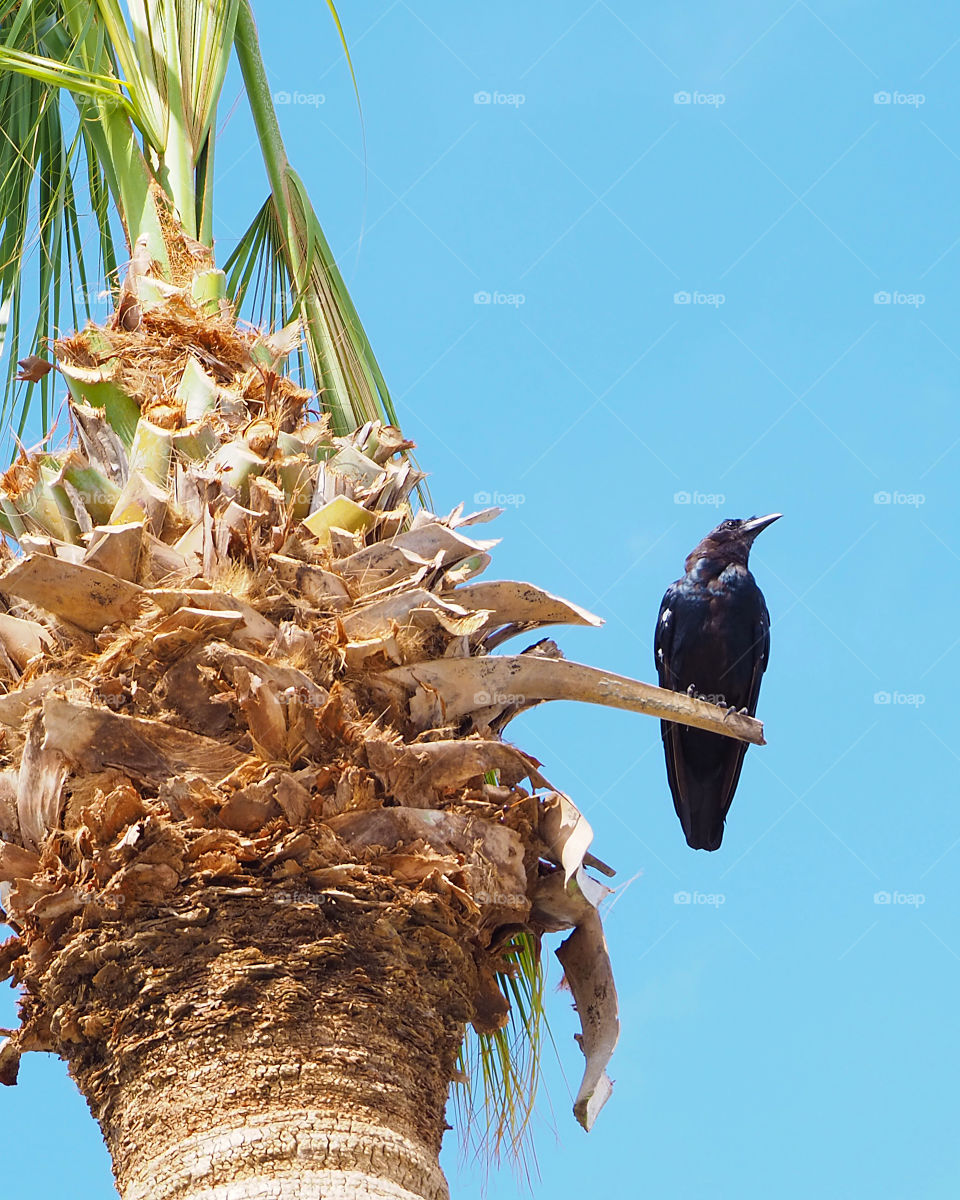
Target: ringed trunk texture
x,y
264,1046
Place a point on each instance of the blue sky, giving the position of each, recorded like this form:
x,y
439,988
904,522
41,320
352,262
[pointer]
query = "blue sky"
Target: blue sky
x,y
792,171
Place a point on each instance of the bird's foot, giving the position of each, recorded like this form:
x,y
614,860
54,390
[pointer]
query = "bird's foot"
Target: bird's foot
x,y
692,691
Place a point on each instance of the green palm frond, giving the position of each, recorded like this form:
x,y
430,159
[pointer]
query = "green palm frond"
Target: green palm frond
x,y
54,165
173,55
39,215
107,116
293,247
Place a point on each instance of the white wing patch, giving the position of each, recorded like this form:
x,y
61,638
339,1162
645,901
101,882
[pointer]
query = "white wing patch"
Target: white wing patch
x,y
667,613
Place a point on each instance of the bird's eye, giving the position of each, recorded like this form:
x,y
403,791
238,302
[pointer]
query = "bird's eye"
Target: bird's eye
x,y
729,525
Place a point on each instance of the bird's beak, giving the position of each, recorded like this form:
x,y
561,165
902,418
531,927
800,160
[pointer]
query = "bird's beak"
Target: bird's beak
x,y
757,524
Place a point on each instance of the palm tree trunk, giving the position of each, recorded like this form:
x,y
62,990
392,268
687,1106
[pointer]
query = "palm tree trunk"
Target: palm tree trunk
x,y
237,1046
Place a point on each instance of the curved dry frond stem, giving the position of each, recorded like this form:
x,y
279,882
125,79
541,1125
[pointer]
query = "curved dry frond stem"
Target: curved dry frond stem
x,y
455,689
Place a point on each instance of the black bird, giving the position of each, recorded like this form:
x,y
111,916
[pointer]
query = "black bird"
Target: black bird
x,y
712,641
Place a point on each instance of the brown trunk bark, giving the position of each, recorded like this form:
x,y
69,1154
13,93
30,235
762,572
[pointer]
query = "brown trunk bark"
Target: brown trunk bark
x,y
266,1045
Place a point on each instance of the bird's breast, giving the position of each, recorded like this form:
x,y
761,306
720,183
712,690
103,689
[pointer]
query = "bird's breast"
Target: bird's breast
x,y
715,638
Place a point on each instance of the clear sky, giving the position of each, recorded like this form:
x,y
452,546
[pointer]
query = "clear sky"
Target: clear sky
x,y
794,1037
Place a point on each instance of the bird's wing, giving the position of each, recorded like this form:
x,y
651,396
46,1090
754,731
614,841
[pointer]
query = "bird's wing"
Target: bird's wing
x,y
663,638
663,641
761,631
731,775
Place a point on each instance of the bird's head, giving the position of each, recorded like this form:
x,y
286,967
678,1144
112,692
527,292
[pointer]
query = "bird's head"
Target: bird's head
x,y
730,542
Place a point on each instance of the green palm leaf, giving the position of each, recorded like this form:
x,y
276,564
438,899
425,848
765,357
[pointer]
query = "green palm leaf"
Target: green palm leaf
x,y
109,109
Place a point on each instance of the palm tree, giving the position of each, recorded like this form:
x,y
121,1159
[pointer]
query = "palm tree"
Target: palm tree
x,y
265,852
